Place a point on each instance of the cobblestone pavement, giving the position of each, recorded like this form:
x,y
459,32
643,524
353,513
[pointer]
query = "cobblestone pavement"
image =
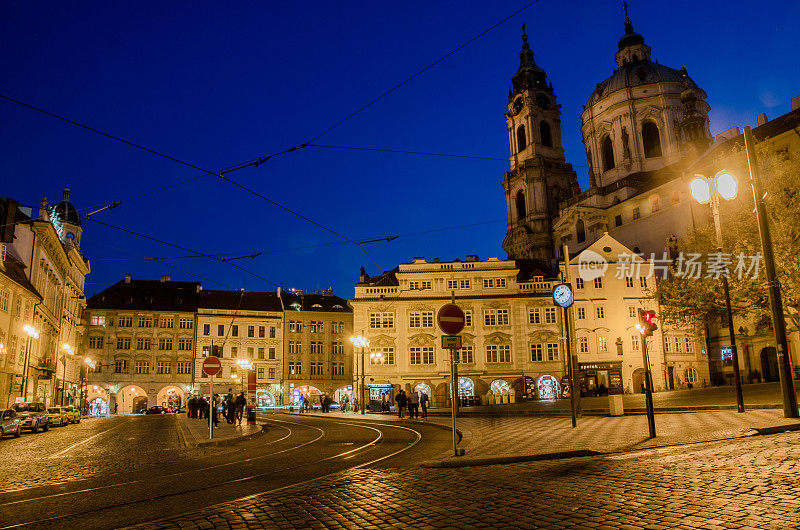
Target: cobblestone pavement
x,y
94,447
744,483
525,435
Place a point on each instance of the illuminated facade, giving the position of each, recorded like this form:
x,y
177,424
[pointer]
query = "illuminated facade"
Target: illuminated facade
x,y
45,250
511,340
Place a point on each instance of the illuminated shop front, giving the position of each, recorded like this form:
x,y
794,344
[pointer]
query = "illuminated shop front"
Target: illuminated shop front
x,y
598,379
381,396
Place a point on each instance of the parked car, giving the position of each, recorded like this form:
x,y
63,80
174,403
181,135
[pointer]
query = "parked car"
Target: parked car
x,y
10,423
73,414
58,416
155,410
33,415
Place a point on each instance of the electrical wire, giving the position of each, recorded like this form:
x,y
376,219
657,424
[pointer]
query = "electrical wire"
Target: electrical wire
x,y
181,247
406,152
420,72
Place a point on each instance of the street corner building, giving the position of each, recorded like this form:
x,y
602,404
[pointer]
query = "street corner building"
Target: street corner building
x,y
148,339
42,273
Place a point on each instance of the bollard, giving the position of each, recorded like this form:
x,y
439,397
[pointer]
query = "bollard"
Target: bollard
x,y
615,407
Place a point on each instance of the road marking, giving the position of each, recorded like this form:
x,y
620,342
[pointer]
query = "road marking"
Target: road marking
x,y
73,446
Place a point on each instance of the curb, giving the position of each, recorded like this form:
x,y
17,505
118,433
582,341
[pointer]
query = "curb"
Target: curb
x,y
217,443
778,429
508,459
632,411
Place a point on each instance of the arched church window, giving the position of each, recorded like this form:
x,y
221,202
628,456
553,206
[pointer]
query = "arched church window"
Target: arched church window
x,y
544,134
608,154
522,211
522,140
580,231
651,140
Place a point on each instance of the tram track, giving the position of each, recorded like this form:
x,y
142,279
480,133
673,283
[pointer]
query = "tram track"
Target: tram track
x,y
168,492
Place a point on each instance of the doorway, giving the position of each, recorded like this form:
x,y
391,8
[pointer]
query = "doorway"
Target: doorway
x,y
769,364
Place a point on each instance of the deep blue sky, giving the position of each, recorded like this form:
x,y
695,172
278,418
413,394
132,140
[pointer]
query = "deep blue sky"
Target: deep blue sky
x,y
217,83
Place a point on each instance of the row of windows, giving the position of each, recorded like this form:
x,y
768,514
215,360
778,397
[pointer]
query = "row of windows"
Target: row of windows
x,y
259,373
316,368
491,317
251,331
126,321
251,353
315,326
598,282
545,136
143,367
495,353
125,343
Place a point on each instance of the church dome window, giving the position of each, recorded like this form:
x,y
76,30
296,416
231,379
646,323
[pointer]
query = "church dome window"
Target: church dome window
x,y
522,210
544,134
651,140
522,140
608,153
580,231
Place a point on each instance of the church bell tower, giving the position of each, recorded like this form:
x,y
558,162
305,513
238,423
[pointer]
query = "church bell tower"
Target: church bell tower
x,y
539,177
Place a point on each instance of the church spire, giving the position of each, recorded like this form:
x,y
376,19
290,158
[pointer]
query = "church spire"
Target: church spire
x,y
528,75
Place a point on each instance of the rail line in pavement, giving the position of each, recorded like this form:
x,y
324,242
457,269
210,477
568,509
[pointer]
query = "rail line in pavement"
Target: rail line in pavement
x,y
218,484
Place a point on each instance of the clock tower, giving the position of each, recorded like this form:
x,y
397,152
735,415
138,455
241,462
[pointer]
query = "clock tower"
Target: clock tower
x,y
539,177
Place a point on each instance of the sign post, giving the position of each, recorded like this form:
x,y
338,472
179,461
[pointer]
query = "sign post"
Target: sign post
x,y
211,367
451,321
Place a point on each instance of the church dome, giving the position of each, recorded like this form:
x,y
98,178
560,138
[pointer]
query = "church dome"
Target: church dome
x,y
636,74
66,210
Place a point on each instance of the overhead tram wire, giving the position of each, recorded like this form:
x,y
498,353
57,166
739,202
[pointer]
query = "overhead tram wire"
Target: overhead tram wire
x,y
421,71
175,245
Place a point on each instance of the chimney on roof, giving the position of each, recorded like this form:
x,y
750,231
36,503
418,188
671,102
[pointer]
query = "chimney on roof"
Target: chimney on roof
x,y
472,257
796,103
165,278
327,292
127,278
761,119
418,259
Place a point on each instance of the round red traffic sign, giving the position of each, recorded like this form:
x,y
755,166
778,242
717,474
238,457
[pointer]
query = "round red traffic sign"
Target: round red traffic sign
x,y
450,319
212,366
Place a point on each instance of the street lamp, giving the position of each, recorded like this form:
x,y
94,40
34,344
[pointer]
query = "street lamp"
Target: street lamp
x,y
33,333
361,342
67,349
709,190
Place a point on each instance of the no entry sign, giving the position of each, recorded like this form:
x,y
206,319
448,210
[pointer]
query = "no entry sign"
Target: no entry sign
x,y
450,319
212,366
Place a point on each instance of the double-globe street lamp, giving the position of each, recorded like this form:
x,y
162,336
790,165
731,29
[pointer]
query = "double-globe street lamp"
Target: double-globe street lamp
x,y
710,190
33,333
361,342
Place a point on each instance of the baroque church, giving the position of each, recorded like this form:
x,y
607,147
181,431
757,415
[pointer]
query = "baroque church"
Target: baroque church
x,y
640,128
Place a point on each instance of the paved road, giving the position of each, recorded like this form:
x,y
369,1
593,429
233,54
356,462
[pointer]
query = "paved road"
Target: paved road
x,y
744,483
130,469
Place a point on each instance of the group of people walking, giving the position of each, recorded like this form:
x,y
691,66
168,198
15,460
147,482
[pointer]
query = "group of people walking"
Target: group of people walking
x,y
412,402
232,408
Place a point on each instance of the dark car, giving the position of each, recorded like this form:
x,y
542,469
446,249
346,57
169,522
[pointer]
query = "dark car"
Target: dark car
x,y
10,423
33,415
155,410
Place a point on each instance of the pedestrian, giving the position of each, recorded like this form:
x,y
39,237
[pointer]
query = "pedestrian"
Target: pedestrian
x,y
190,407
230,408
401,401
423,401
413,404
241,402
300,404
346,404
214,412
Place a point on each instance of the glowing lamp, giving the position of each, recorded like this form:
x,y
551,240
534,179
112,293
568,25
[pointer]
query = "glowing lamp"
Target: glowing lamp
x,y
726,185
701,189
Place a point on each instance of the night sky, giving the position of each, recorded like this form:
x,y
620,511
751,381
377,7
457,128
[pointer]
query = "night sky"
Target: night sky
x,y
220,83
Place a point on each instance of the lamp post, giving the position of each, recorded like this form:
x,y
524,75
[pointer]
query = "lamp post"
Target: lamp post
x,y
67,349
773,285
709,190
33,333
362,343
